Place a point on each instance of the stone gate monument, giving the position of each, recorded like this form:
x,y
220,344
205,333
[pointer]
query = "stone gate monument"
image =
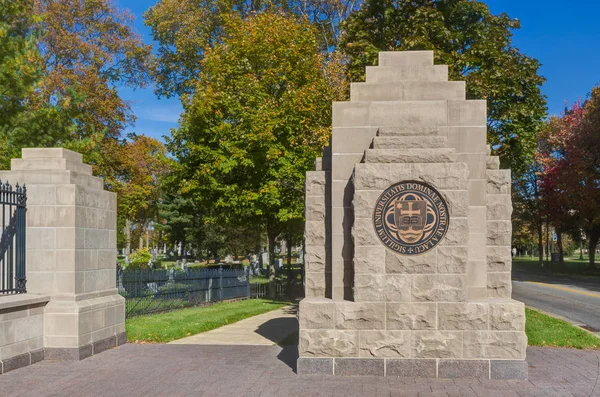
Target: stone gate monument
x,y
408,233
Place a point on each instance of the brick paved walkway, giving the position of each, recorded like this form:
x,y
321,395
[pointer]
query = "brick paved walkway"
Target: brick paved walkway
x,y
205,370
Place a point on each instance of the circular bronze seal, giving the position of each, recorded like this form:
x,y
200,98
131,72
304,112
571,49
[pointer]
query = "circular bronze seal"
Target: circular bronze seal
x,y
410,218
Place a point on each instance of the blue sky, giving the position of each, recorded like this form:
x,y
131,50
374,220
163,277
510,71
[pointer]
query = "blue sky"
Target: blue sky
x,y
563,37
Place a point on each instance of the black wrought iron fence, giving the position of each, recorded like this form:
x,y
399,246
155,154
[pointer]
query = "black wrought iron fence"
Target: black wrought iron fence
x,y
12,239
157,291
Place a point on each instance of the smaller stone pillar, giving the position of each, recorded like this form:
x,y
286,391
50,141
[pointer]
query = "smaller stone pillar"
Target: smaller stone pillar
x,y
71,252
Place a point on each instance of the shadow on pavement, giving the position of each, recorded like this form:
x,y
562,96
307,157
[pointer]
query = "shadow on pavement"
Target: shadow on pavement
x,y
288,355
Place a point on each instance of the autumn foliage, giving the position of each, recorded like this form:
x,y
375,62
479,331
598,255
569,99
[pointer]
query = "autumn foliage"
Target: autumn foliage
x,y
570,179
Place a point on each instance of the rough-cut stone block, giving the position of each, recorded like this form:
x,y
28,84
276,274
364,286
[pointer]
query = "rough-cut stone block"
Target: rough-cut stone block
x,y
507,315
458,232
369,260
328,343
314,284
499,285
499,233
396,156
384,344
463,316
314,233
411,368
509,369
369,287
363,203
315,259
314,366
373,176
439,288
457,201
498,181
419,142
499,259
461,369
437,344
315,183
448,177
405,58
359,315
493,162
358,367
316,313
388,74
499,207
452,260
314,209
411,264
494,344
397,288
363,233
411,316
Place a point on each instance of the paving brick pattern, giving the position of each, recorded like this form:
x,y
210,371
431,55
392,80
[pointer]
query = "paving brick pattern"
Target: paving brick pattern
x,y
206,370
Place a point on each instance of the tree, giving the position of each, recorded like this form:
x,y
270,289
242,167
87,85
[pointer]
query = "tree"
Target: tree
x,y
477,47
571,159
21,68
186,29
259,116
141,162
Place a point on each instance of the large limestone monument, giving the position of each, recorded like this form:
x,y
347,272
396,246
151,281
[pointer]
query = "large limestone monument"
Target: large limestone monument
x,y
408,235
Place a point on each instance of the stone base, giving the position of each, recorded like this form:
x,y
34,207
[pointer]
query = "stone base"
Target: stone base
x,y
83,352
414,368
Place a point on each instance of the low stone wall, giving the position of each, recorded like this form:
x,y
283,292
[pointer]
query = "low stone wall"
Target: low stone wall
x,y
21,330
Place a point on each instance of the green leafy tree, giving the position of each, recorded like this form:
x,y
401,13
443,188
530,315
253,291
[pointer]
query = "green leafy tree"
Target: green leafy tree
x,y
476,45
259,117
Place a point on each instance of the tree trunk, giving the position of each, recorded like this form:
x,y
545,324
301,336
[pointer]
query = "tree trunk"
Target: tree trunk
x,y
289,251
272,236
141,239
593,241
559,243
127,237
540,243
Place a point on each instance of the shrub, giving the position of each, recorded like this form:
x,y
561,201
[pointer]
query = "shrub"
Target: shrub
x,y
139,259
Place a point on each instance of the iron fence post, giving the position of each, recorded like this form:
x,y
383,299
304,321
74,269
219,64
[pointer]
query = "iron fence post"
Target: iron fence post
x,y
248,280
220,284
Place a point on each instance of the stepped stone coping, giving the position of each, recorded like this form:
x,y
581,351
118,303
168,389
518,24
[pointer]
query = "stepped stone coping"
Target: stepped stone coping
x,y
399,74
409,142
405,58
400,156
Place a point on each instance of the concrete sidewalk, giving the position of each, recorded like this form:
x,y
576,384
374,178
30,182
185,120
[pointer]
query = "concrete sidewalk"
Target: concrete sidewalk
x,y
265,329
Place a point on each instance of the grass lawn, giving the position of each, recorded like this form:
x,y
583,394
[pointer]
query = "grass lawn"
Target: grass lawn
x,y
166,327
572,267
543,330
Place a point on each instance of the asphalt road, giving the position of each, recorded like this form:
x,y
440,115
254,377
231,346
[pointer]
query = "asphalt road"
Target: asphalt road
x,y
578,301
